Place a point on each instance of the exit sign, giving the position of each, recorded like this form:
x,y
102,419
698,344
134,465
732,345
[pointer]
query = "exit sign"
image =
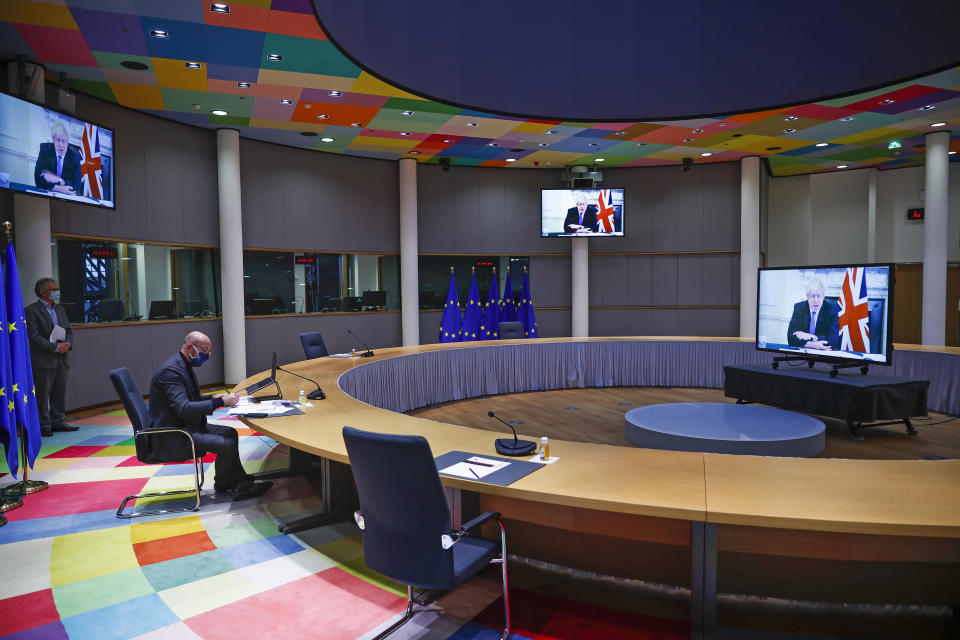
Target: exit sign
x,y
915,214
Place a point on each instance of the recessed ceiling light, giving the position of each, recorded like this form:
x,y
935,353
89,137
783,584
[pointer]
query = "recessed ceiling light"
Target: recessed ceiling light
x,y
471,124
823,144
413,153
688,139
927,107
790,118
219,7
939,124
698,130
286,101
404,133
159,33
197,107
336,94
192,65
447,141
511,159
847,119
135,65
491,144
886,101
599,159
841,166
326,139
219,112
641,144
309,134
543,144
951,153
307,105
274,57
322,116
551,132
356,124
705,154
406,113
243,85
789,130
591,144
618,133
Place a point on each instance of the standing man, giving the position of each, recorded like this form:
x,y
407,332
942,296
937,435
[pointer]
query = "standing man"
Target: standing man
x,y
176,402
51,339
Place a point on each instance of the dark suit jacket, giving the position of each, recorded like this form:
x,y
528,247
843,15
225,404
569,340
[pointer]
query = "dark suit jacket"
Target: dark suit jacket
x,y
573,217
828,324
47,159
176,402
43,353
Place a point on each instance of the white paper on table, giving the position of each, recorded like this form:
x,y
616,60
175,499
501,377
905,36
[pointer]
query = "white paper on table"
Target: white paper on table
x,y
58,334
540,460
340,355
267,407
475,468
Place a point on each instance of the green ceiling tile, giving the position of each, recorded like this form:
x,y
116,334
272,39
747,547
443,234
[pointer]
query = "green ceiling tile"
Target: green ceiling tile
x,y
419,122
305,55
100,90
108,60
420,106
234,121
861,155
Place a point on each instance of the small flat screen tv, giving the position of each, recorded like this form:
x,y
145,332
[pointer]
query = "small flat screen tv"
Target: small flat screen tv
x,y
49,153
574,213
834,313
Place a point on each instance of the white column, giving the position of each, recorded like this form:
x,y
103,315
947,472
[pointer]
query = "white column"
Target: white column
x,y
409,269
933,320
32,213
234,349
872,217
580,296
749,244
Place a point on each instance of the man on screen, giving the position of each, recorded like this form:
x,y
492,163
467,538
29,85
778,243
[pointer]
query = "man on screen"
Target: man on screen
x,y
58,163
581,218
815,321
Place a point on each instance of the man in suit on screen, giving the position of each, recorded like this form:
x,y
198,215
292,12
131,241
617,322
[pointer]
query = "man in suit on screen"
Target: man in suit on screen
x,y
58,163
582,218
815,322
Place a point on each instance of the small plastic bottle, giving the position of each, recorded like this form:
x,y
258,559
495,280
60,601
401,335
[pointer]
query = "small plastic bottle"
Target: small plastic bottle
x,y
544,448
303,397
353,353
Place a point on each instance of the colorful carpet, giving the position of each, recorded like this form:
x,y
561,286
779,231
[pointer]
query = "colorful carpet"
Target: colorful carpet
x,y
70,569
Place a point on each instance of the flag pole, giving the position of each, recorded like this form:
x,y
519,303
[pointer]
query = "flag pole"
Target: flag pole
x,y
25,486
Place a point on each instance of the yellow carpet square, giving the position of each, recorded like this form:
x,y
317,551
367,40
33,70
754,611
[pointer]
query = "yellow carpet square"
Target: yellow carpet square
x,y
80,556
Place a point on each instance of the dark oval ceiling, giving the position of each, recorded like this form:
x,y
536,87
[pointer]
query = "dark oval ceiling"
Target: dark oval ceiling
x,y
626,60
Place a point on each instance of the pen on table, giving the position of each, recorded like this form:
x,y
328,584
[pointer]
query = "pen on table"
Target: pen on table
x,y
474,474
479,464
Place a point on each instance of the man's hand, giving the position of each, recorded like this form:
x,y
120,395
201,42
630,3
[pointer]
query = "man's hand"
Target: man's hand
x,y
64,188
51,177
229,399
818,344
63,347
803,335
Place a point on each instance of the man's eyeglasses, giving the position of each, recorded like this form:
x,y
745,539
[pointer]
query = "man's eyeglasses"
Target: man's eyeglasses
x,y
201,349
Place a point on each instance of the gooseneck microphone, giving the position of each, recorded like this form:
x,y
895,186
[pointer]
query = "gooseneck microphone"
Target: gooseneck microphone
x,y
507,447
368,352
317,394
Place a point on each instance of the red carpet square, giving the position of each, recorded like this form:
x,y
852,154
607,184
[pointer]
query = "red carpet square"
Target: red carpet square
x,y
154,551
28,611
104,421
76,452
77,497
331,604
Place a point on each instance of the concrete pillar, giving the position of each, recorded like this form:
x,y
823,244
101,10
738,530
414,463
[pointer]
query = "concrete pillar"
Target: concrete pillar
x,y
234,349
872,217
936,184
749,244
409,269
580,298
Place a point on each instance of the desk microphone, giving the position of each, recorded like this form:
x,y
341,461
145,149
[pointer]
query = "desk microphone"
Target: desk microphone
x,y
365,354
507,447
317,394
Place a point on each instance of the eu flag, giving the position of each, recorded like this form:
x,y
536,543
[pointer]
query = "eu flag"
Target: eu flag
x,y
8,421
450,323
525,312
508,312
490,325
22,396
472,315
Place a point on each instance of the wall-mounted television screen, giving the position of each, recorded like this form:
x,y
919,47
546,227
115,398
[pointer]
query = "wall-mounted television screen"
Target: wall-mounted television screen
x,y
571,213
53,154
837,313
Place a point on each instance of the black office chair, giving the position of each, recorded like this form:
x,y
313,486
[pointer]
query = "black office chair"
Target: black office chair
x,y
133,404
111,310
406,523
511,330
313,346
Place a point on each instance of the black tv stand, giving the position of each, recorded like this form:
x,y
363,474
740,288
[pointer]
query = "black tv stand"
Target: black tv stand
x,y
812,360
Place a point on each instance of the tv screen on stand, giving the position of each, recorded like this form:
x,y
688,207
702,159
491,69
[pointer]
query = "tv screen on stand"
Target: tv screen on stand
x,y
573,213
835,313
48,153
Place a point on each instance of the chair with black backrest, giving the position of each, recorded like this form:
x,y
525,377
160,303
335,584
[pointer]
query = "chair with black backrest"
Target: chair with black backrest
x,y
133,404
313,346
111,310
407,533
511,330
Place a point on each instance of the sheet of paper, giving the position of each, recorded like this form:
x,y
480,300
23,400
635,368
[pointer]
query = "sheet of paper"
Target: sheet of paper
x,y
58,334
474,468
339,355
268,407
538,460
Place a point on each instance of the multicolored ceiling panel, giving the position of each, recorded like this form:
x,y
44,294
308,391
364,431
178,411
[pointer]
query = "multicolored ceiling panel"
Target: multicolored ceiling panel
x,y
272,69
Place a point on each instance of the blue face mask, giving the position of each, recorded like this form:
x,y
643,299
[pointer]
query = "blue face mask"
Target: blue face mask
x,y
55,296
200,358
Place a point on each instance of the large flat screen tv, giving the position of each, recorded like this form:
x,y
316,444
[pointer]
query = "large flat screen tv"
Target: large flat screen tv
x,y
834,313
572,213
49,153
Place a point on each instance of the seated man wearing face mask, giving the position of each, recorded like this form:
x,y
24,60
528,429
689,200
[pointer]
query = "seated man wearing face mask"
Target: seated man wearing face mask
x,y
175,402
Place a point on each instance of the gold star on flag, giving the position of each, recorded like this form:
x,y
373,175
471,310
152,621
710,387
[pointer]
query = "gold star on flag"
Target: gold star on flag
x,y
3,391
12,326
10,406
26,399
15,387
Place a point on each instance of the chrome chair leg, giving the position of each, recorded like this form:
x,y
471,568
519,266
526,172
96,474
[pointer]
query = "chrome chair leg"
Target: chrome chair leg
x,y
402,621
198,480
502,561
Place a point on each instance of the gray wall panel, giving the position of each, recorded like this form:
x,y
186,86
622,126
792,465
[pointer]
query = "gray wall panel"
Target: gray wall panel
x,y
664,281
690,211
690,279
550,283
639,274
430,326
164,182
553,323
721,273
199,191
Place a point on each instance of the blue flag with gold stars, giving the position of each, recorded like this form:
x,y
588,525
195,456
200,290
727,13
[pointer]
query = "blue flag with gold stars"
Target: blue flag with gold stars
x,y
450,323
490,324
473,314
508,312
22,394
8,421
525,311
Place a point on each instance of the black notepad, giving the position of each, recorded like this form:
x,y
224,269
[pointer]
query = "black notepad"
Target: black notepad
x,y
509,474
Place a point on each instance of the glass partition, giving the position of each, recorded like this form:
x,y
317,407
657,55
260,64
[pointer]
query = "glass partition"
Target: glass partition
x,y
128,281
435,277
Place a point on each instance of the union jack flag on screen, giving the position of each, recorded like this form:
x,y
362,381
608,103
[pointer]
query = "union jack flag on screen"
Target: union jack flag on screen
x,y
854,312
91,168
605,211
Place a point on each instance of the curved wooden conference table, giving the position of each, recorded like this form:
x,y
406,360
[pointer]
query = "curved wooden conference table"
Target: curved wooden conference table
x,y
854,531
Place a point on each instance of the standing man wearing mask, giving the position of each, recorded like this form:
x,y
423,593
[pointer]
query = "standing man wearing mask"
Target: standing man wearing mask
x,y
51,339
176,402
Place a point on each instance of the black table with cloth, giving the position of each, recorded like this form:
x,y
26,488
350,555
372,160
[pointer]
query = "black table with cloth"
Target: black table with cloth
x,y
851,396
